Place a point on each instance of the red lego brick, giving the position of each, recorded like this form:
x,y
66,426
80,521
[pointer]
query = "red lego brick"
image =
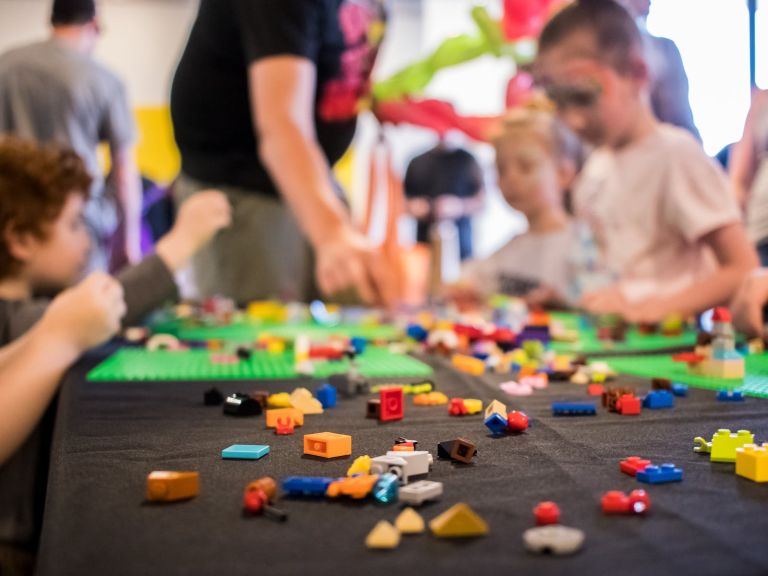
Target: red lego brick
x,y
616,502
629,405
456,407
546,513
595,389
633,464
392,404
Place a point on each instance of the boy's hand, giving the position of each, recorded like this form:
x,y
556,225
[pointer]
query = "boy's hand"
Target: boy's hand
x,y
747,305
198,220
609,300
348,261
86,315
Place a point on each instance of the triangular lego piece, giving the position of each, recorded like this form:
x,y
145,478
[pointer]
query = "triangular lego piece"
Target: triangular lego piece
x,y
302,400
409,522
459,521
383,536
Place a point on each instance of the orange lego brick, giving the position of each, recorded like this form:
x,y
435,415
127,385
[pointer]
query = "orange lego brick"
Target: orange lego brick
x,y
167,486
356,487
281,414
328,445
468,364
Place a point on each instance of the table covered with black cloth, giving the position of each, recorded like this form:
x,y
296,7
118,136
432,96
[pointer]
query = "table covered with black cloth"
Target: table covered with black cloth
x,y
109,436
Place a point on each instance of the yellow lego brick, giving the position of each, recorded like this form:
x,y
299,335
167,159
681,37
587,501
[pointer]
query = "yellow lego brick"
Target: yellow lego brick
x,y
361,465
459,521
473,405
280,400
468,364
752,462
495,407
724,444
166,486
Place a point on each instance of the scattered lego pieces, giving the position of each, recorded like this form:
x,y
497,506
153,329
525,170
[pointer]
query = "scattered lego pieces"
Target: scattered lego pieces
x,y
257,499
326,395
373,408
361,465
459,521
392,404
460,449
724,444
239,404
730,396
546,513
356,487
680,390
245,452
659,399
555,539
420,492
283,416
616,502
468,364
430,399
535,381
752,462
701,446
328,445
573,409
464,406
213,397
384,536
595,389
517,421
661,384
306,485
165,486
410,522
386,490
659,474
516,389
496,423
280,400
496,407
628,405
633,464
302,399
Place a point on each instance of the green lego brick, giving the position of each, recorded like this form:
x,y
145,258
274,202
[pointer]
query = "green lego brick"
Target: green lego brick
x,y
247,331
132,364
588,342
755,382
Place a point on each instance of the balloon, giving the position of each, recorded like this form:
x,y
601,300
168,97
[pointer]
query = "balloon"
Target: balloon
x,y
410,80
519,90
525,18
458,50
489,28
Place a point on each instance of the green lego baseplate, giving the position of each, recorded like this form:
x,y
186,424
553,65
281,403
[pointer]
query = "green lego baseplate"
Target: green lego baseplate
x,y
755,382
141,365
243,331
588,343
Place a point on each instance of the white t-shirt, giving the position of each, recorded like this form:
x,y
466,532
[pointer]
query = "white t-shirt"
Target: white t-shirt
x,y
525,263
649,205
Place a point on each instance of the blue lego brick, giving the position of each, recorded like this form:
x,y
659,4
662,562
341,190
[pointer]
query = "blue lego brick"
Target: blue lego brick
x,y
496,423
358,343
326,394
417,332
679,389
387,489
660,474
573,409
657,399
245,452
480,355
730,395
306,485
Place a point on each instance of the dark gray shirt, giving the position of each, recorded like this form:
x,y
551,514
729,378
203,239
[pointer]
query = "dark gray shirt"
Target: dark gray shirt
x,y
147,286
52,93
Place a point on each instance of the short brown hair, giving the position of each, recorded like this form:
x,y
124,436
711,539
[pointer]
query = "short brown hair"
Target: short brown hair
x,y
35,182
616,33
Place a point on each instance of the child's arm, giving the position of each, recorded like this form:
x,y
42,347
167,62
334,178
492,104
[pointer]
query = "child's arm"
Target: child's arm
x,y
735,256
31,367
151,284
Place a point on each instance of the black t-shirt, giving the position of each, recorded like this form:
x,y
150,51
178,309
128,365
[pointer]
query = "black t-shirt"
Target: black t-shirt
x,y
210,102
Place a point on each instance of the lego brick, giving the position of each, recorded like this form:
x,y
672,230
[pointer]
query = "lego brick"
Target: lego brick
x,y
661,384
422,491
279,400
595,389
473,405
752,462
167,486
355,487
326,394
616,502
496,423
573,409
241,405
659,399
361,465
328,445
302,399
266,485
730,396
495,407
384,536
306,485
459,521
245,452
517,421
546,513
430,399
390,465
468,364
724,444
628,405
282,416
555,539
373,408
418,462
633,464
410,522
459,449
392,404
213,397
386,489
659,474
680,390
701,446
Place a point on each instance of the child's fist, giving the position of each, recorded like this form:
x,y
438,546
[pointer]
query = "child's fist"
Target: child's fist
x,y
87,314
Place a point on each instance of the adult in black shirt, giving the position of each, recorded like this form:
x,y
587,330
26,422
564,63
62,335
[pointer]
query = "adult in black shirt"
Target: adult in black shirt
x,y
263,102
445,183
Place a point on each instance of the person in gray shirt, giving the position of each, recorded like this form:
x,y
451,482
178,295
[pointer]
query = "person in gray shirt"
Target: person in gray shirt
x,y
54,91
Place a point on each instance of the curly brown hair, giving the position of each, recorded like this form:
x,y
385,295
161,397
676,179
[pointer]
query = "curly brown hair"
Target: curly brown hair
x,y
35,182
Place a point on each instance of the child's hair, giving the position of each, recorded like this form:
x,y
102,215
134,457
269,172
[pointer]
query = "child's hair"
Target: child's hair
x,y
543,124
35,182
616,33
72,12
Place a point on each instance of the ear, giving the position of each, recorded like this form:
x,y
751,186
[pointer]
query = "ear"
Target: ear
x,y
637,69
21,245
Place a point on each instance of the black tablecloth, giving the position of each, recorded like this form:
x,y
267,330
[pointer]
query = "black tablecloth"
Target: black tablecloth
x,y
110,435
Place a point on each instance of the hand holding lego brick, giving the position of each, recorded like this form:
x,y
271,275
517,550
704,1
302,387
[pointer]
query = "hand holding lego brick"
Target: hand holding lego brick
x,y
86,315
747,305
199,219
